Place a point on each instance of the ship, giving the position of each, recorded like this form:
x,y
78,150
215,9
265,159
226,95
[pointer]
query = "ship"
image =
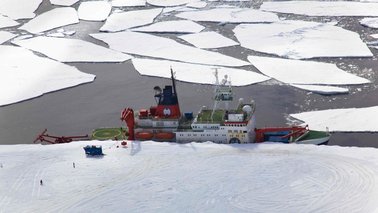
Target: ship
x,y
219,124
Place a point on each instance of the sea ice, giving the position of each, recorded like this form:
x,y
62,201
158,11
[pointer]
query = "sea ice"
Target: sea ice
x,y
322,8
7,22
194,73
125,20
64,2
57,34
370,22
19,9
72,50
51,19
160,47
342,120
177,26
94,10
197,4
25,75
208,40
128,3
304,72
5,36
374,35
323,90
230,15
168,3
301,39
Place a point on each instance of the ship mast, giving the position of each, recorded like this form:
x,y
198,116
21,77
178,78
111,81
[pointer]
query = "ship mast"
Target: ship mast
x,y
222,92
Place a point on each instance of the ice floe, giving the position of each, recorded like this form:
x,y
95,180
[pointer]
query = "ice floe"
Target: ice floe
x,y
370,22
301,39
304,72
168,3
160,47
72,50
128,3
19,9
208,40
322,8
7,22
230,15
195,73
177,26
51,19
374,35
323,90
342,120
5,36
64,2
125,20
25,75
94,10
197,4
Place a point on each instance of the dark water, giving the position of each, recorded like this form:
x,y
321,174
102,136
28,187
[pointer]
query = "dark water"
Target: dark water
x,y
79,110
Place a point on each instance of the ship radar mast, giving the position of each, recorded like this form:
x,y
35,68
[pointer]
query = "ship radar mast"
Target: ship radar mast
x,y
222,92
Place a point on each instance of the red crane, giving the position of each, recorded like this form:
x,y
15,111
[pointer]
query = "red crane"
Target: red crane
x,y
128,116
43,137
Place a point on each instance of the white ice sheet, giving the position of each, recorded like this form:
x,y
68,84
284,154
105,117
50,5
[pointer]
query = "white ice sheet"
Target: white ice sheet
x,y
322,8
128,3
7,22
304,72
195,73
64,2
168,3
197,4
5,36
160,47
323,90
25,75
370,22
374,35
301,39
208,40
19,9
177,26
230,15
51,19
125,20
342,120
94,10
72,50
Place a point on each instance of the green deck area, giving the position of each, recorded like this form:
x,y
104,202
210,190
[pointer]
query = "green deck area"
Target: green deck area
x,y
205,116
312,134
117,133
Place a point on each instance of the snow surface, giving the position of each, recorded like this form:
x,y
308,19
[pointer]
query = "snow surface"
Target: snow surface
x,y
195,73
342,120
370,22
19,9
193,177
208,40
94,10
160,47
177,26
51,19
304,72
230,15
72,50
7,22
5,36
64,2
168,3
25,75
323,90
128,3
125,20
301,39
322,8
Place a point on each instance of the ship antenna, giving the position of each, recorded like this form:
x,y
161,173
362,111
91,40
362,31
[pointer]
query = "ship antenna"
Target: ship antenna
x,y
173,82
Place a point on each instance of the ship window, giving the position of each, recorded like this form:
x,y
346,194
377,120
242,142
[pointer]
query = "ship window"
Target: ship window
x,y
208,135
229,131
202,135
216,135
194,134
244,131
236,131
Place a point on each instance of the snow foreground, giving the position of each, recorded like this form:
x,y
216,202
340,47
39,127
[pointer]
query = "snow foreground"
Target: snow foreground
x,y
207,177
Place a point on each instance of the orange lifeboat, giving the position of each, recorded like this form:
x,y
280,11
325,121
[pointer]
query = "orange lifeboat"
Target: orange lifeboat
x,y
144,135
165,135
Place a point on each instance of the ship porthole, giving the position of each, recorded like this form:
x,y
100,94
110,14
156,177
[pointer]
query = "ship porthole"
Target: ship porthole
x,y
234,140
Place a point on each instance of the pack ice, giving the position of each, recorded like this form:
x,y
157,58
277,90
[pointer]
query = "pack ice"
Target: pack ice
x,y
164,48
196,73
51,19
19,9
26,76
5,36
94,10
64,2
208,40
301,39
370,22
128,3
7,22
176,26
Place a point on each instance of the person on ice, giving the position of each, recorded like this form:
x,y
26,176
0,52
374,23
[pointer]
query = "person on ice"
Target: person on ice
x,y
41,182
